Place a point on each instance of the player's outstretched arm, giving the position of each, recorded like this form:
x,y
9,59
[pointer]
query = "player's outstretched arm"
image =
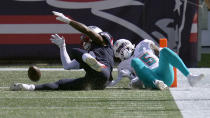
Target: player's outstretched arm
x,y
80,27
65,59
61,17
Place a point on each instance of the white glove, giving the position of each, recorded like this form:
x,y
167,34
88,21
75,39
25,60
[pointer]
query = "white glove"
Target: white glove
x,y
61,17
125,73
59,41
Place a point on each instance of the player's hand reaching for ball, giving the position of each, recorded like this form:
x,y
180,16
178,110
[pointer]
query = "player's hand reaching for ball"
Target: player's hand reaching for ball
x,y
59,41
61,17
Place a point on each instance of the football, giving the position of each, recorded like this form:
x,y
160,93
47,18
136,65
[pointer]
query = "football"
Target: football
x,y
34,73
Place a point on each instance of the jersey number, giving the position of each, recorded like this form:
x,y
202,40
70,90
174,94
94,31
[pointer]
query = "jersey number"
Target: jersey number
x,y
147,60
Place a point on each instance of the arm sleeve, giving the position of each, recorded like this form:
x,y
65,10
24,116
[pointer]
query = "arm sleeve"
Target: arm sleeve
x,y
66,61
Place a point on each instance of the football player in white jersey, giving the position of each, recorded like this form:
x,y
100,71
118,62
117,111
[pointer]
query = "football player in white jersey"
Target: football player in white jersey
x,y
153,72
126,51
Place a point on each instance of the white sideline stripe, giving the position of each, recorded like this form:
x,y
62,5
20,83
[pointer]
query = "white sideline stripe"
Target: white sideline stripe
x,y
42,69
48,107
106,87
4,87
69,98
110,108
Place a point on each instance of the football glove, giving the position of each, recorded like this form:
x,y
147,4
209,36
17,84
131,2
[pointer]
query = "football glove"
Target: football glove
x,y
59,41
61,17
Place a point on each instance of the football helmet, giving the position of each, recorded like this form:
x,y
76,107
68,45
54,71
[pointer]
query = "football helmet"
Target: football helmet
x,y
85,40
123,49
95,29
107,37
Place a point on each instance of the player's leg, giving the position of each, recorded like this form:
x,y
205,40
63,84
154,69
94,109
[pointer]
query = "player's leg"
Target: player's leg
x,y
47,86
85,58
168,57
92,80
144,73
92,62
165,69
22,87
64,84
100,79
96,73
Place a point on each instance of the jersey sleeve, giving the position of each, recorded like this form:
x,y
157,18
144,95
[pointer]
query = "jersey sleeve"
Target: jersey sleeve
x,y
107,38
143,44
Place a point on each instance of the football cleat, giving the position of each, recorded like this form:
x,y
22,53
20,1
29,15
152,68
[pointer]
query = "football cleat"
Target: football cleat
x,y
194,79
15,87
160,85
94,64
22,87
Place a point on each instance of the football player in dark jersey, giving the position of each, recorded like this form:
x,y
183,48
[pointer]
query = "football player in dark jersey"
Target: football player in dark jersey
x,y
96,59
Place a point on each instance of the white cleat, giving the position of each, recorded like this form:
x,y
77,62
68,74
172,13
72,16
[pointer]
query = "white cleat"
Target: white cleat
x,y
194,79
94,64
22,87
160,85
15,87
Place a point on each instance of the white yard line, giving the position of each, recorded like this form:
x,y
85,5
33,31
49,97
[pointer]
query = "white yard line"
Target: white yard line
x,y
42,69
53,107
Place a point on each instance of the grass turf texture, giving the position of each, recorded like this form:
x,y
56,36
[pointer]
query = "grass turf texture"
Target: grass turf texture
x,y
205,61
118,102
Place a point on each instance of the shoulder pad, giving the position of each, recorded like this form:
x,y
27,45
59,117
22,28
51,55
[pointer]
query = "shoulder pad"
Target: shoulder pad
x,y
107,37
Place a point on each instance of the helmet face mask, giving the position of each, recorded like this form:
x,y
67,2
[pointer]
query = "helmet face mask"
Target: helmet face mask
x,y
123,49
85,42
127,53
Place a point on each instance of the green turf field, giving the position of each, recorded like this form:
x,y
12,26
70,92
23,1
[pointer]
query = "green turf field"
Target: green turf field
x,y
117,102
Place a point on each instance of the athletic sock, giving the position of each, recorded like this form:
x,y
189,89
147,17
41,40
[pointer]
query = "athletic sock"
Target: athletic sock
x,y
28,87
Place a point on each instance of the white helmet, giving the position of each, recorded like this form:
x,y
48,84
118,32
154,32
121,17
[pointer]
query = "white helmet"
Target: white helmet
x,y
86,41
95,29
123,49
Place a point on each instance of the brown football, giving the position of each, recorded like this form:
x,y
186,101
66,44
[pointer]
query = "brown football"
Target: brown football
x,y
34,73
